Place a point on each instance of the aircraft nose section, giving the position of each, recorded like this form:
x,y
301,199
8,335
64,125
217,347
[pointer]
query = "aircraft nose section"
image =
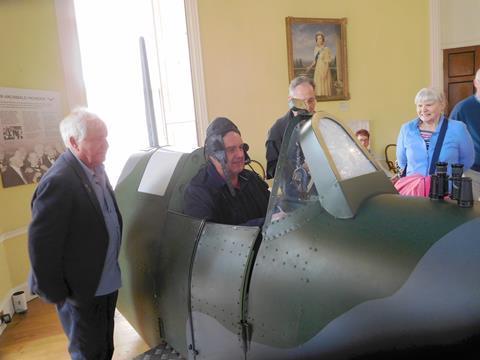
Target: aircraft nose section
x,y
439,304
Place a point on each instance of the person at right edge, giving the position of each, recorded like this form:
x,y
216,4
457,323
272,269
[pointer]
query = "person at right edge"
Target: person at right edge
x,y
468,112
418,138
302,88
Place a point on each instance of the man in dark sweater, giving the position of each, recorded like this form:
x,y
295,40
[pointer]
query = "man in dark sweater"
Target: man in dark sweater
x,y
223,191
468,111
302,88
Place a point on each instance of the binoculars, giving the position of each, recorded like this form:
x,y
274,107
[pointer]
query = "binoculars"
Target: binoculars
x,y
461,187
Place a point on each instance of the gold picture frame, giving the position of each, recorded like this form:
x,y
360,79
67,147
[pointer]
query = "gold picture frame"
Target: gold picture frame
x,y
317,48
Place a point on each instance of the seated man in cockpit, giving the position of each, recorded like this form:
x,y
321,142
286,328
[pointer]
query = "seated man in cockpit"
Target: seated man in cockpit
x,y
223,191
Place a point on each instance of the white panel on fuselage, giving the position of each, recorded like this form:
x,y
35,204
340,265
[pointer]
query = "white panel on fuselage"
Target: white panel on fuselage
x,y
158,172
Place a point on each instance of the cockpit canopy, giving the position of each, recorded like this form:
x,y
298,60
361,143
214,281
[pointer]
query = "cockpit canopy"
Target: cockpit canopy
x,y
323,162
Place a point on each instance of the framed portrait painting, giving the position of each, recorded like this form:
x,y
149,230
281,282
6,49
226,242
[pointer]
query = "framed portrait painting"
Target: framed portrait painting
x,y
317,48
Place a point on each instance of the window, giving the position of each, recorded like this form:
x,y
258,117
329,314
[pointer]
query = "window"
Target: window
x,y
108,35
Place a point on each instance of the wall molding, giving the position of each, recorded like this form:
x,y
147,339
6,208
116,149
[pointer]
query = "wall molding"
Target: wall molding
x,y
436,54
6,304
461,44
14,233
196,65
70,53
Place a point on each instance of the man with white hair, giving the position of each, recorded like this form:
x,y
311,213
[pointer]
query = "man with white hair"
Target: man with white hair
x,y
74,238
468,111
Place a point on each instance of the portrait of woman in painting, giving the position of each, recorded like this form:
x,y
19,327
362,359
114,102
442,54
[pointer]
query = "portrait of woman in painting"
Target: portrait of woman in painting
x,y
326,65
322,57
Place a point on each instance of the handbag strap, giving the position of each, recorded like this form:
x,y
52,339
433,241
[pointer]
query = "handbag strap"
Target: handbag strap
x,y
438,146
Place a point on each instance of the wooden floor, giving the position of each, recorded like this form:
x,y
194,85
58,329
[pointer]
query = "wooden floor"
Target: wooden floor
x,y
38,335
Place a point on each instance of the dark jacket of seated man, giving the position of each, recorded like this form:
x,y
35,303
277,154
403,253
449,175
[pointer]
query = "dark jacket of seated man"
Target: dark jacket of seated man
x,y
238,198
208,197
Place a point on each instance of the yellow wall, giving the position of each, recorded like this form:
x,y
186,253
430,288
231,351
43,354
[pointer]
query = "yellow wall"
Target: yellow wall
x,y
18,263
4,273
30,59
244,50
459,23
246,71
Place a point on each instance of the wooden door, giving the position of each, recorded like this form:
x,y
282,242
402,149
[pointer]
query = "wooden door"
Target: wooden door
x,y
459,68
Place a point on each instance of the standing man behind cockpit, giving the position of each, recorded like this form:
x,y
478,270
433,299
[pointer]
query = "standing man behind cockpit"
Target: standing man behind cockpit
x,y
301,88
223,191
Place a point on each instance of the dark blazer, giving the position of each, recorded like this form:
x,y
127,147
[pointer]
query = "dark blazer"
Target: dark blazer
x,y
274,142
67,237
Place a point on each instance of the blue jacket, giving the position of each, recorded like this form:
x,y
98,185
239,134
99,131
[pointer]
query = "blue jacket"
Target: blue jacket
x,y
412,152
468,112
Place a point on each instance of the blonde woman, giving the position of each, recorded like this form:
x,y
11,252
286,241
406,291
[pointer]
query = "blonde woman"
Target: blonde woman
x,y
418,138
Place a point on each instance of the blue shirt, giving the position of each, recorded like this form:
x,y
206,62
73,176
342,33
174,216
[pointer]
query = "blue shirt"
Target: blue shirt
x,y
468,112
111,277
412,152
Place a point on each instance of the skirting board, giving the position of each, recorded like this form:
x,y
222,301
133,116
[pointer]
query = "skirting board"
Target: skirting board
x,y
13,233
7,306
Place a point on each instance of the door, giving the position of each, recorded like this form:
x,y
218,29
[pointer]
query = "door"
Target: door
x,y
220,274
459,68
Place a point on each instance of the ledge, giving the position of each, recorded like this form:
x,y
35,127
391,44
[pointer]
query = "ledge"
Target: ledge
x,y
14,233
